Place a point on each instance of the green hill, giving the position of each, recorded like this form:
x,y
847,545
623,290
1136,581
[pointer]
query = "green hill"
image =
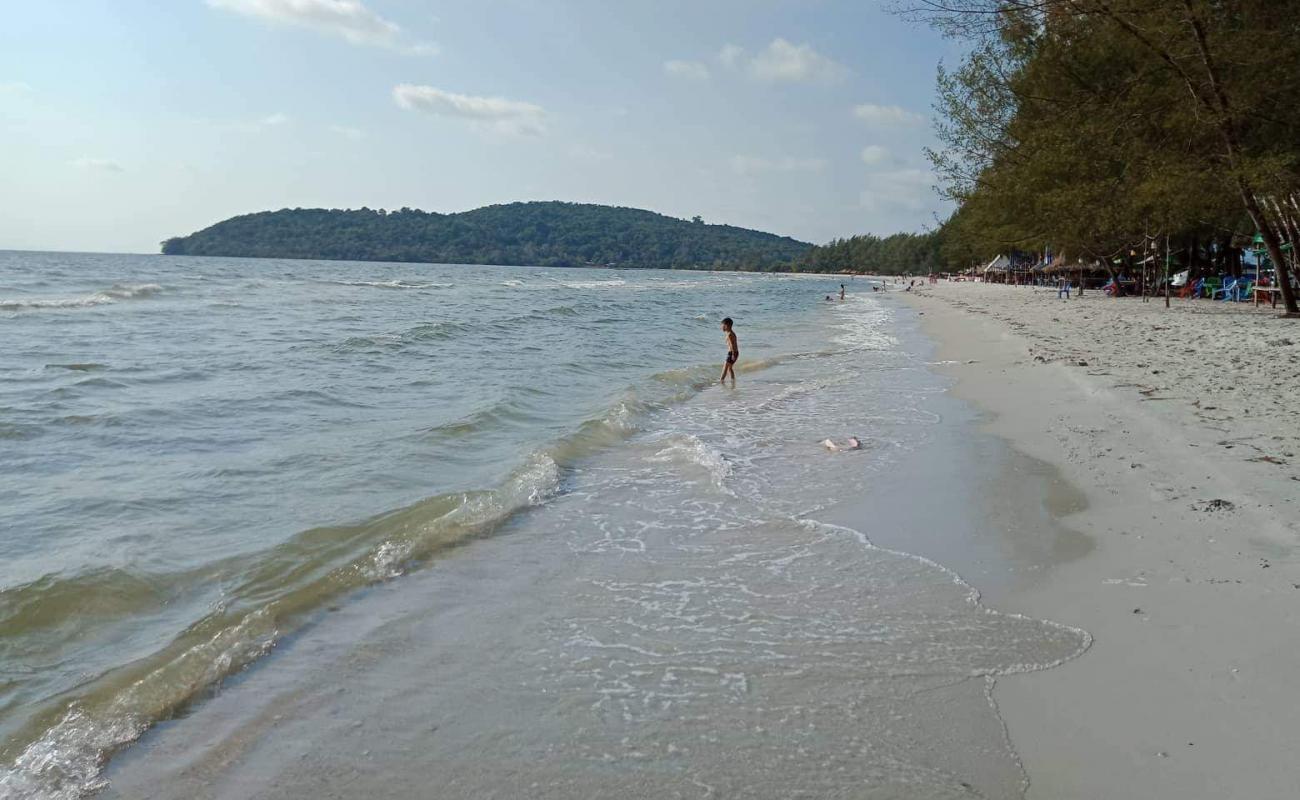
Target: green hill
x,y
542,234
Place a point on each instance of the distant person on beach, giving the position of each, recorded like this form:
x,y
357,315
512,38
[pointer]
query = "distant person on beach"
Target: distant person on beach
x,y
733,352
841,291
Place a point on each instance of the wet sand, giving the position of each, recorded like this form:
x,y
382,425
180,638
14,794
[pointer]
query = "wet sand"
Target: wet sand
x,y
1192,587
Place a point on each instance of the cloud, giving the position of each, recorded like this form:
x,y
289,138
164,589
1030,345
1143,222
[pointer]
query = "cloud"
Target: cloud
x,y
96,164
729,55
499,114
350,20
874,154
883,116
15,87
755,165
355,134
691,70
910,188
785,62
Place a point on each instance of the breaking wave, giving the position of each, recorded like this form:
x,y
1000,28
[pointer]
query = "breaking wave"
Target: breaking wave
x,y
113,294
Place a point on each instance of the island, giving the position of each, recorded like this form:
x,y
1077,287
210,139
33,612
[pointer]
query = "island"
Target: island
x,y
550,234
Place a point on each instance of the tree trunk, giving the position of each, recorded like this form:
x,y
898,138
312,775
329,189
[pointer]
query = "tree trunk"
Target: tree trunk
x,y
1274,248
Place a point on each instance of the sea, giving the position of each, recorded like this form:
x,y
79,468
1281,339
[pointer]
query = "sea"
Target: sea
x,y
205,460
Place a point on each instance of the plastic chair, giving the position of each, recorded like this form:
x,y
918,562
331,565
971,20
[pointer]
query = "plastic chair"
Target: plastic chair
x,y
1228,291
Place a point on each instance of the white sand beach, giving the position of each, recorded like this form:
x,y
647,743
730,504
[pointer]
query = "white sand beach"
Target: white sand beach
x,y
1181,427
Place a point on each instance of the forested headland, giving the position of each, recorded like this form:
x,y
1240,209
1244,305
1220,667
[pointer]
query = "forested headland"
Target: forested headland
x,y
552,234
549,234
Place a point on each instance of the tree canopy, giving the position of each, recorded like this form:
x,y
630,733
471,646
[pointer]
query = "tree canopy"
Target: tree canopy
x,y
1092,127
531,234
899,253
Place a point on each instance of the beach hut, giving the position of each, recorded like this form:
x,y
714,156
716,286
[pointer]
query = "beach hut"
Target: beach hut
x,y
1090,275
996,270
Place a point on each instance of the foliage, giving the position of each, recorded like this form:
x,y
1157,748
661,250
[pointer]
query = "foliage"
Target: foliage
x,y
1094,126
537,234
901,253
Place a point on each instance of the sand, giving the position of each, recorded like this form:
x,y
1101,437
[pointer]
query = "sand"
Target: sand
x,y
1181,429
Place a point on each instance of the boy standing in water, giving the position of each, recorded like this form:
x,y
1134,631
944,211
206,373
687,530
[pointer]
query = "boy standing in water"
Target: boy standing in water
x,y
733,352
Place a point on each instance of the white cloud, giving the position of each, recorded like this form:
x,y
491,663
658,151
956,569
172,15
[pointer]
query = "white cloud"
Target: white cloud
x,y
96,164
785,62
499,114
15,87
350,20
355,134
692,70
729,55
881,116
754,165
874,154
911,189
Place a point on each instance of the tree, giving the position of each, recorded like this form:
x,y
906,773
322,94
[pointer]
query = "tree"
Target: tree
x,y
1091,123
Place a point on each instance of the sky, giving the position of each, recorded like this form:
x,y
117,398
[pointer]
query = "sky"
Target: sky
x,y
124,122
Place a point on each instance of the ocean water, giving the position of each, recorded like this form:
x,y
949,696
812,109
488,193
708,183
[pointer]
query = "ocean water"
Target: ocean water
x,y
199,456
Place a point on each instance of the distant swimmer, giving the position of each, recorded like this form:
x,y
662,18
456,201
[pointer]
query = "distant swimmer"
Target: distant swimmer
x,y
851,443
733,352
828,299
841,291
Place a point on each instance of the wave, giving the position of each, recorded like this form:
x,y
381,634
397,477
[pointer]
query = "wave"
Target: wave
x,y
865,321
111,295
427,332
59,752
269,595
53,601
693,450
394,284
496,417
1073,641
88,366
436,330
592,284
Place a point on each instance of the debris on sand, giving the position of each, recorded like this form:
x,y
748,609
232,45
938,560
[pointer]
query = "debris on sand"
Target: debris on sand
x,y
1210,506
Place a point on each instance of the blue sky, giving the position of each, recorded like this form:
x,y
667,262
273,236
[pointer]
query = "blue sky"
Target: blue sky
x,y
123,122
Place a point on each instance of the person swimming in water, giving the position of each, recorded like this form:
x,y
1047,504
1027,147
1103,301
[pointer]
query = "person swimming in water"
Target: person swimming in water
x,y
733,352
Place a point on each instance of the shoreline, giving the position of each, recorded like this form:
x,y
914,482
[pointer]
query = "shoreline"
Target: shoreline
x,y
1190,602
398,665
